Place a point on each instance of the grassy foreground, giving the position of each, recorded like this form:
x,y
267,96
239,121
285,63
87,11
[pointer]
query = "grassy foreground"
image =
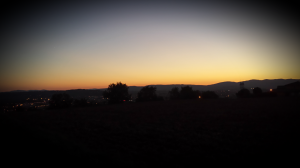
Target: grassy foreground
x,y
174,133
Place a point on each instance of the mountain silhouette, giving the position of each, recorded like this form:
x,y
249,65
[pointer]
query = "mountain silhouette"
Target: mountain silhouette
x,y
162,90
227,85
264,84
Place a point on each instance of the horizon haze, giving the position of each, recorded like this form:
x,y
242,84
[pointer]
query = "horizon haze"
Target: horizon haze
x,y
265,84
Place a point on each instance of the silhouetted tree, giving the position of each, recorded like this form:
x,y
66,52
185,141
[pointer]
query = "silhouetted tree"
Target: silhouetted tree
x,y
187,92
257,91
243,93
209,95
174,93
116,93
147,93
60,100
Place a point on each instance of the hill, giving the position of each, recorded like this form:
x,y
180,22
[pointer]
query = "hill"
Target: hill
x,y
264,84
21,95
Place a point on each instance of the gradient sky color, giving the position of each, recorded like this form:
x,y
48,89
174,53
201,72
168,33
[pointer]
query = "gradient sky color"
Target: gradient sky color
x,y
92,45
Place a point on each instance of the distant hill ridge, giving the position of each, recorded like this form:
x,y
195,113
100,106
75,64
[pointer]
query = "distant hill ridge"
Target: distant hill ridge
x,y
264,84
21,95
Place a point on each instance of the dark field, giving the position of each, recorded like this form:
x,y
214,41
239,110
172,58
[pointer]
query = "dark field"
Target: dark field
x,y
175,133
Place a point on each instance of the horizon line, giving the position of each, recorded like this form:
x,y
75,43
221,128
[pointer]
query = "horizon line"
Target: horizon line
x,y
143,86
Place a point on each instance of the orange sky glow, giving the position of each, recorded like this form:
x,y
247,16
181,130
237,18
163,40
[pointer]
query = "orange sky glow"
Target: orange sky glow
x,y
178,44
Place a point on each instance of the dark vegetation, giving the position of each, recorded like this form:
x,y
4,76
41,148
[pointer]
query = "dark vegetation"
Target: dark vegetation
x,y
174,93
257,91
187,92
175,133
61,100
148,93
209,95
243,93
117,93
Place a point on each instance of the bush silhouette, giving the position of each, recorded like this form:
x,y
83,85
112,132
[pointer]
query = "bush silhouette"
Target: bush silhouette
x,y
187,92
147,93
60,100
209,95
116,93
257,91
174,93
243,93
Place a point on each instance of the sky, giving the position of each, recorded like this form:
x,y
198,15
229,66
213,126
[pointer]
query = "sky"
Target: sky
x,y
61,46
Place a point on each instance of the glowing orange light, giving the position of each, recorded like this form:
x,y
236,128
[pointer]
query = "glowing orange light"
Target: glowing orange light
x,y
271,90
199,97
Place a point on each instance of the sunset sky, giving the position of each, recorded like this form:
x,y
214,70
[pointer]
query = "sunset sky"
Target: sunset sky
x,y
90,45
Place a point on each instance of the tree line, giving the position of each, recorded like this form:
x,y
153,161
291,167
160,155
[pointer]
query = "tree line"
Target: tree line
x,y
118,93
257,92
